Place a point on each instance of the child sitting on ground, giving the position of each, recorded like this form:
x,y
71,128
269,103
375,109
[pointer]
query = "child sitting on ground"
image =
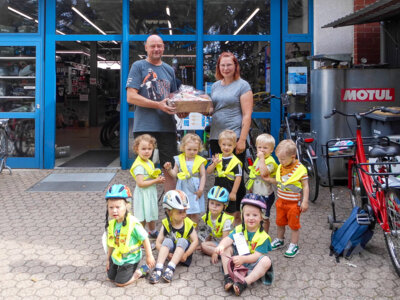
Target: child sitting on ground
x,y
228,172
190,170
218,222
292,182
177,239
261,171
125,236
256,242
146,177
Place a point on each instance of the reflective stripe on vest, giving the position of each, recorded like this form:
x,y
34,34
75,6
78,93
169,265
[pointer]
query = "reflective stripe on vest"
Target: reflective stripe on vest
x,y
217,231
123,249
188,225
151,170
227,173
293,184
258,239
254,174
185,174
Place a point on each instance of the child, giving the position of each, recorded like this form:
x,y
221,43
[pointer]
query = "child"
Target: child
x,y
177,239
292,182
263,169
220,223
192,174
228,172
251,233
146,177
125,235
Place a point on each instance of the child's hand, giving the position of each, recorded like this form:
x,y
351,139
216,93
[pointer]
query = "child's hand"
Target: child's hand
x,y
219,250
215,159
160,179
184,257
167,166
199,193
150,261
304,206
260,155
238,260
214,258
108,264
232,196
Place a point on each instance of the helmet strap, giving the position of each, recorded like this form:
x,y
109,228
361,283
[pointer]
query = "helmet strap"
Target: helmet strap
x,y
124,222
220,217
261,226
106,226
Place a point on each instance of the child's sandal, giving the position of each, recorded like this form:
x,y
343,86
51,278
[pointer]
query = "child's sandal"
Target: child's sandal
x,y
168,274
228,282
155,276
239,287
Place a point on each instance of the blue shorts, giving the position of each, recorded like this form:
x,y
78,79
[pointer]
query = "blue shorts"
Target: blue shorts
x,y
269,201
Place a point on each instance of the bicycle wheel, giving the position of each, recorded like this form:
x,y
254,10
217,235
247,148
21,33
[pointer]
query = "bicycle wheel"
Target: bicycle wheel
x,y
392,238
313,178
358,193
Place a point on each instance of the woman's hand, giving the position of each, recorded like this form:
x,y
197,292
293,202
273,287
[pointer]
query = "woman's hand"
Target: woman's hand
x,y
182,115
232,196
240,146
199,193
167,166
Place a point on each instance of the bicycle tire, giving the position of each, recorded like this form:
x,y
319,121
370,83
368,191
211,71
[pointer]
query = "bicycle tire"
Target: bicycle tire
x,y
313,178
113,136
392,238
358,193
104,133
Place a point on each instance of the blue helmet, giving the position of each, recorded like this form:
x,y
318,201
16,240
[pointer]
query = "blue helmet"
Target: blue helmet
x,y
255,200
219,194
119,191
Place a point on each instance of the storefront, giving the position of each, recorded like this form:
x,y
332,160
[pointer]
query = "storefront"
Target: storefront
x,y
64,63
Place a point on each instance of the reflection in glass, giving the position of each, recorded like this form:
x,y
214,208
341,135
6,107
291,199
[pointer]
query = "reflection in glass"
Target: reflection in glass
x,y
163,17
17,79
19,16
298,16
254,59
237,17
89,17
21,137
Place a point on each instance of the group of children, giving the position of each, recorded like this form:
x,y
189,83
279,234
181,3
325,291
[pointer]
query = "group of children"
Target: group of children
x,y
234,228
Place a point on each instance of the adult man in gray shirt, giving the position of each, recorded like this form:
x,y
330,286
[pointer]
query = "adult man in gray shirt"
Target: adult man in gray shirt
x,y
150,81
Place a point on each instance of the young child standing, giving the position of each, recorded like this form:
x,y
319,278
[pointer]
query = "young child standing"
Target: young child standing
x,y
261,173
177,239
191,172
292,182
125,235
228,172
146,177
258,242
217,220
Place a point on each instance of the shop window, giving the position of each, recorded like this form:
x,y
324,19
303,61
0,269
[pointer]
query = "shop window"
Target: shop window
x,y
21,133
237,17
88,17
298,16
254,59
17,79
163,17
19,16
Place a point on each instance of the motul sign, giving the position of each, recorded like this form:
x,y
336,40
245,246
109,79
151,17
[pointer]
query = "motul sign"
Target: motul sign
x,y
367,95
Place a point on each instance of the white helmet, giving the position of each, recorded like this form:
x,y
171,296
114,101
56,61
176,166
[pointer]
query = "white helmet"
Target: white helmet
x,y
175,199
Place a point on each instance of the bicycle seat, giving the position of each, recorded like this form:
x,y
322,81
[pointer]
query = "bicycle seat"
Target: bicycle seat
x,y
382,151
297,116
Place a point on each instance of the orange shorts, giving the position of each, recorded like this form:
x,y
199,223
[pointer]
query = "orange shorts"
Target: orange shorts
x,y
288,213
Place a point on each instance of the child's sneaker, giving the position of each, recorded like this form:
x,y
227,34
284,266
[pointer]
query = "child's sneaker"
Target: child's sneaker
x,y
153,235
292,250
277,243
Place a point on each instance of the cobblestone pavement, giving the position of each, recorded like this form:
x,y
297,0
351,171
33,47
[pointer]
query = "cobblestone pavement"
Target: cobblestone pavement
x,y
51,249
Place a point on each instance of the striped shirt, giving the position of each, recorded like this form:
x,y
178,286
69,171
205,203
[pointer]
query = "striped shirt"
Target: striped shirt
x,y
285,175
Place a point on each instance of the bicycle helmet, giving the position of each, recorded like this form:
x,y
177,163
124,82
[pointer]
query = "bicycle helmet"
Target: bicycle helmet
x,y
119,191
255,200
219,194
175,199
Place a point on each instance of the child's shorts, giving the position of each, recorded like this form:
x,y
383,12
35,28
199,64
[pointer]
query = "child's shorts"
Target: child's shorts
x,y
288,213
269,201
121,274
183,243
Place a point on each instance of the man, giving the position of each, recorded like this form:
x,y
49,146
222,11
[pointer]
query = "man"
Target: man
x,y
149,84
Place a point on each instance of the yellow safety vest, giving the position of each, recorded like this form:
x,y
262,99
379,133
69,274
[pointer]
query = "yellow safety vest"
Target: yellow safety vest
x,y
217,231
188,225
256,173
258,239
123,248
152,171
185,174
293,184
227,173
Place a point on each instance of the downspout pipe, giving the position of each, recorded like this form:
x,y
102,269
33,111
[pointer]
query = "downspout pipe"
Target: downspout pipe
x,y
382,43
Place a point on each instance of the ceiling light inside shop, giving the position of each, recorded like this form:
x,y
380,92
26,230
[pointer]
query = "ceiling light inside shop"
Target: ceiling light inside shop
x,y
21,14
109,64
78,52
245,22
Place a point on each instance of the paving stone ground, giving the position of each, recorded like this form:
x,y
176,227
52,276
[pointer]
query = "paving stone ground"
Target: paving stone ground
x,y
51,249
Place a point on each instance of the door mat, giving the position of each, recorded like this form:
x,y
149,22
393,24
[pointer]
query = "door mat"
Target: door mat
x,y
92,159
73,182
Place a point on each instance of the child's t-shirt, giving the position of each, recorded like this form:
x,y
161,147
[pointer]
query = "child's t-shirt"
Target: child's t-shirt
x,y
264,248
261,187
224,181
176,230
139,234
285,174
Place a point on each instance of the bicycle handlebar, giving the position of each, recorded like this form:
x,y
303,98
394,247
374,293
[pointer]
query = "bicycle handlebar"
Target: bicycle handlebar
x,y
362,114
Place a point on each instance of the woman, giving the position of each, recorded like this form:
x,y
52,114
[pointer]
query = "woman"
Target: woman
x,y
233,104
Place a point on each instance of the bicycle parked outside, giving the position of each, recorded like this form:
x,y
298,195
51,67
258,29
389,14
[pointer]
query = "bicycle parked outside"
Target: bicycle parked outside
x,y
375,187
4,145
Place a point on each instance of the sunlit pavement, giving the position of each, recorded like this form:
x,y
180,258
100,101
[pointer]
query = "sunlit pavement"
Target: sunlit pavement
x,y
51,249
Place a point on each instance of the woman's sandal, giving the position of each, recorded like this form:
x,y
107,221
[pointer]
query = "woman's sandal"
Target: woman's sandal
x,y
239,287
228,282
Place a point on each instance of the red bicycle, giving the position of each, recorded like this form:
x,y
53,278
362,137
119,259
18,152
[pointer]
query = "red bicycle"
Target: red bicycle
x,y
374,186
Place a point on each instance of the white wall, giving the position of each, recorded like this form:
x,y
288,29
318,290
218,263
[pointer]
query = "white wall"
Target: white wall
x,y
332,40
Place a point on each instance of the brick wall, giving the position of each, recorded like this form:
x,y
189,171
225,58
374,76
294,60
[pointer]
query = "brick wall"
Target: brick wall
x,y
366,38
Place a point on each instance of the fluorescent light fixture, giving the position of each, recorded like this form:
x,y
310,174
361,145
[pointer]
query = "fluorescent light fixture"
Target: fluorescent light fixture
x,y
109,64
170,28
143,56
78,52
168,12
20,13
101,57
245,22
60,32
